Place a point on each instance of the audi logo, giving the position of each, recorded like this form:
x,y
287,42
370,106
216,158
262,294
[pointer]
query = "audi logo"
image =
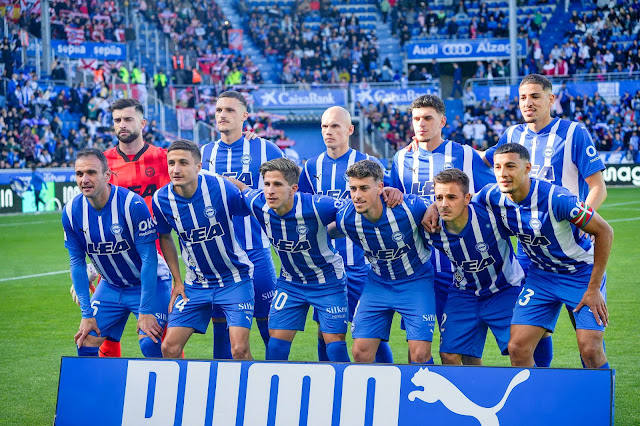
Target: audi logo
x,y
454,49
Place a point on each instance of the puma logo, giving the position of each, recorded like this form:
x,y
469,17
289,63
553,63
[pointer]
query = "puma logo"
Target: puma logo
x,y
439,388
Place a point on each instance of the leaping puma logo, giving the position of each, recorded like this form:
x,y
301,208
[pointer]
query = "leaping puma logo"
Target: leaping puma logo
x,y
437,387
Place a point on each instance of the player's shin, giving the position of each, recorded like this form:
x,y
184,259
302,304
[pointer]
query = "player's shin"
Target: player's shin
x,y
337,352
544,352
88,351
110,349
150,349
278,350
263,327
221,342
384,354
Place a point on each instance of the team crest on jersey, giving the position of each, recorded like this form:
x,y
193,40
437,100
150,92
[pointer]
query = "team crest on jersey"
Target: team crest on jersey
x,y
116,229
150,171
191,262
346,178
458,276
482,247
302,229
397,236
535,224
338,203
447,166
548,152
245,159
209,212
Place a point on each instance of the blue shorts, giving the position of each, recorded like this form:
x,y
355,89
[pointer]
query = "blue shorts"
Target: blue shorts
x,y
356,277
236,302
544,293
441,286
264,282
413,299
291,303
466,317
112,306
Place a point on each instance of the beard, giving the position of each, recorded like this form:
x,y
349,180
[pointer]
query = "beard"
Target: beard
x,y
128,138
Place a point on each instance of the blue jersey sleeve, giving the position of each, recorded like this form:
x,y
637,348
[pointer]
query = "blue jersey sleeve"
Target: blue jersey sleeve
x,y
250,197
488,154
162,225
144,225
567,206
417,205
235,201
80,281
482,174
71,240
148,275
304,184
395,180
273,151
584,153
327,207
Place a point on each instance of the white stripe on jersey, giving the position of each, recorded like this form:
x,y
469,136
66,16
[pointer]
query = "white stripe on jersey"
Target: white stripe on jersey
x,y
535,214
109,256
570,177
477,233
114,219
323,245
394,227
467,164
87,235
319,172
305,253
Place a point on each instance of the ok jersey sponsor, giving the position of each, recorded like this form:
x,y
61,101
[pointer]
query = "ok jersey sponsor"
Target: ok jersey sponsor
x,y
546,224
109,236
562,153
393,244
482,254
210,251
324,175
300,237
241,160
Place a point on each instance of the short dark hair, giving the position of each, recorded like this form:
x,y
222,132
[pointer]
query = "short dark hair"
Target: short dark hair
x,y
366,168
454,176
515,148
92,152
290,170
235,95
429,101
126,103
186,145
537,79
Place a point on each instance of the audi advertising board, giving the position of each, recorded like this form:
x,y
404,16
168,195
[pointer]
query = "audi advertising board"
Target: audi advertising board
x,y
462,50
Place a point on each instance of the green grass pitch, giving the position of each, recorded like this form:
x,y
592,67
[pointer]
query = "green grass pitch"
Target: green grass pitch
x,y
38,318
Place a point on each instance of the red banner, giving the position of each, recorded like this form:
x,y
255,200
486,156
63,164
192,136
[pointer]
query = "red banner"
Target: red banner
x,y
235,39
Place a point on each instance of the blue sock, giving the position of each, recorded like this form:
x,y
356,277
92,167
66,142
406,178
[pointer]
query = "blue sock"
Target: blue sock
x,y
221,343
605,365
322,350
278,350
150,349
544,352
88,351
384,354
263,327
429,362
337,352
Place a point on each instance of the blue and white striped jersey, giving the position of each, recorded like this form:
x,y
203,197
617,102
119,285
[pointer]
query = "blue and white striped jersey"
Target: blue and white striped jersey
x,y
242,160
300,237
394,244
544,224
109,236
413,173
210,250
325,176
482,254
562,153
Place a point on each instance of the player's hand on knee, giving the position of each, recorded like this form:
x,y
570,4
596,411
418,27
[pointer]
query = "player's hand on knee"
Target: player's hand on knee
x,y
595,302
87,325
392,196
178,290
149,326
430,219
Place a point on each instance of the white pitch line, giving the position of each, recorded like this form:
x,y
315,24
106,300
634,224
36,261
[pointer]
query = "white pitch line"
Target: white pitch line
x,y
34,222
621,204
626,219
34,275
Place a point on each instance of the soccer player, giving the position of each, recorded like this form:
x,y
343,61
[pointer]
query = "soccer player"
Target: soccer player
x,y
326,175
566,267
235,156
312,271
137,166
114,227
487,275
401,276
413,171
562,152
219,272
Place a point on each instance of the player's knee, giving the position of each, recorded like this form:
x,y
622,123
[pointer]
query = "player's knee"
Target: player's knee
x,y
518,349
592,353
361,354
171,350
150,349
240,350
450,359
420,355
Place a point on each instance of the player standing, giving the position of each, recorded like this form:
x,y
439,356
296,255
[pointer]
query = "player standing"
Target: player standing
x,y
113,226
236,157
219,272
566,267
401,276
326,175
413,172
487,276
561,152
